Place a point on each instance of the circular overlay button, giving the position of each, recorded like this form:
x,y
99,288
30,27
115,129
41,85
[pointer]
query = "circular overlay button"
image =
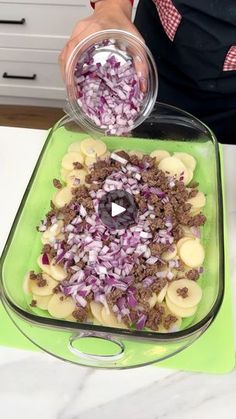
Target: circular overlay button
x,y
117,209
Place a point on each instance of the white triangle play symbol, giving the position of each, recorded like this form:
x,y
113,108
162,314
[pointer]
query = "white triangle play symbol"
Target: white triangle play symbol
x,y
116,209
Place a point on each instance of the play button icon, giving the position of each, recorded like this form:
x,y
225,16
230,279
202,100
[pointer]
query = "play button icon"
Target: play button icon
x,y
117,209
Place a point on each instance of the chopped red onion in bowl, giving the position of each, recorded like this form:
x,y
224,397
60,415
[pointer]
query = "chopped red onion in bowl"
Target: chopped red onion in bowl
x,y
108,93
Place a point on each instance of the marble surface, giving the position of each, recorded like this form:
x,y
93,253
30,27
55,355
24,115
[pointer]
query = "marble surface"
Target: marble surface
x,y
34,385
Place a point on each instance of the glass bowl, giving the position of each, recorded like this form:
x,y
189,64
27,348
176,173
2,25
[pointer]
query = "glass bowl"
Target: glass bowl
x,y
100,346
100,46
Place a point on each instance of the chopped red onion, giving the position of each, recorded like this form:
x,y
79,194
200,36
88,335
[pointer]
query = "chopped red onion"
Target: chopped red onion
x,y
109,93
45,259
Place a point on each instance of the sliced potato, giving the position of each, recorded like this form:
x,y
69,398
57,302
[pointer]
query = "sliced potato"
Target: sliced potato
x,y
152,300
42,301
174,327
181,241
54,229
139,154
70,158
169,254
193,297
57,272
192,253
189,176
105,156
159,155
187,159
70,318
76,174
45,268
96,309
195,211
89,161
162,294
62,197
109,319
27,284
199,201
174,167
47,289
187,231
60,306
64,173
180,311
74,147
93,148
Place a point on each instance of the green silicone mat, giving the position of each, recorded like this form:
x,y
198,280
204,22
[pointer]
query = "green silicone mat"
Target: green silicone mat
x,y
213,352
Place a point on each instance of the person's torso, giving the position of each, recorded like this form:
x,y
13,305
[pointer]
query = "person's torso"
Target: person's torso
x,y
199,39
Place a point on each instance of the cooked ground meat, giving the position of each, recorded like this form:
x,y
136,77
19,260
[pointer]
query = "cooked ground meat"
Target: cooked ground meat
x,y
156,249
123,154
193,193
182,292
168,321
32,275
57,183
143,294
33,303
197,221
158,285
80,313
192,274
113,296
155,317
77,165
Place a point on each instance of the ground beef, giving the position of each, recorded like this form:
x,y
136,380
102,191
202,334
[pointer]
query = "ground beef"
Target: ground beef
x,y
193,193
155,317
147,160
197,221
158,285
141,202
77,165
193,274
57,183
177,233
143,294
32,275
80,192
33,303
56,289
168,321
123,154
156,224
182,292
113,296
80,313
134,160
156,249
48,249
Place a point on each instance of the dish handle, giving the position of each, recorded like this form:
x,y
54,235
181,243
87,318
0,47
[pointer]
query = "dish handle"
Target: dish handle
x,y
77,338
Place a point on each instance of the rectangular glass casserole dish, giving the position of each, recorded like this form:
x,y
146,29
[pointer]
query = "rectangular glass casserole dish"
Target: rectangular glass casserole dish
x,y
85,344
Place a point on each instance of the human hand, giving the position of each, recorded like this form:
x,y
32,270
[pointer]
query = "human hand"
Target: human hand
x,y
107,15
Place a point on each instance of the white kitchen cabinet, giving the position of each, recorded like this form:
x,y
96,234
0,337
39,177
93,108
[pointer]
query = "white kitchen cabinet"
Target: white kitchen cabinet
x,y
32,34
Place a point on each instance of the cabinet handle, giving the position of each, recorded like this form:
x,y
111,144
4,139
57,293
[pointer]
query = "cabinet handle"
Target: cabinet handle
x,y
11,76
13,22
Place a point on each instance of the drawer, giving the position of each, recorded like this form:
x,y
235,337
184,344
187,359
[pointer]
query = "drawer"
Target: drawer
x,y
31,79
38,19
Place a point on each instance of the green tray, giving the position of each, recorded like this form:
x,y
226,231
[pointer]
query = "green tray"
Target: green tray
x,y
213,352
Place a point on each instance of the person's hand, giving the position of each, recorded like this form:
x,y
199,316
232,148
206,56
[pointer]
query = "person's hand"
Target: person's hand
x,y
108,14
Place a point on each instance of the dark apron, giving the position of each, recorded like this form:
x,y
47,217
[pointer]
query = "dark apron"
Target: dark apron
x,y
190,63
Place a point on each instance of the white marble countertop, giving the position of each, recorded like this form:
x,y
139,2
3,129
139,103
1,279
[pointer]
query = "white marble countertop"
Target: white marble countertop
x,y
37,386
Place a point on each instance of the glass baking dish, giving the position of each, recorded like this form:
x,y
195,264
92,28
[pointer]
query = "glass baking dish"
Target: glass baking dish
x,y
100,346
